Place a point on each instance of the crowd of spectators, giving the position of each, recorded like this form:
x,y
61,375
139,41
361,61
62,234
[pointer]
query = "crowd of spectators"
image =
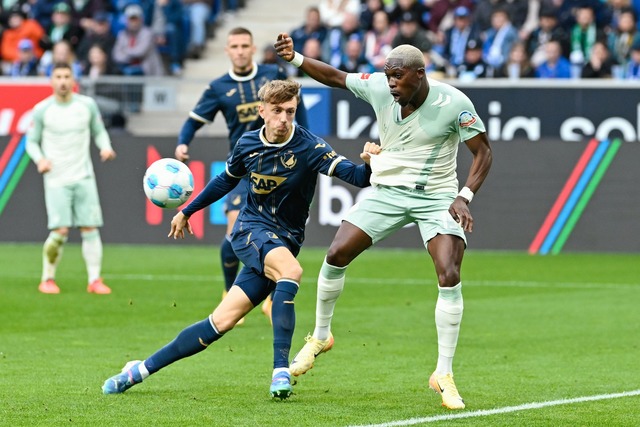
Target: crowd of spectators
x,y
464,39
106,37
470,39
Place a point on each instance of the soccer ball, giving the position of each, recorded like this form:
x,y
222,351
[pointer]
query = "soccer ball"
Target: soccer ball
x,y
168,183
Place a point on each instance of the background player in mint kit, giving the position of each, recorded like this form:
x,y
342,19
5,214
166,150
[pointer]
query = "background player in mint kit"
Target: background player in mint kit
x,y
58,142
282,162
421,123
235,95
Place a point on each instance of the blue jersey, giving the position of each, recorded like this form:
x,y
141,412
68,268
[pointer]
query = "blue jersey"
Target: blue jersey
x,y
237,98
282,179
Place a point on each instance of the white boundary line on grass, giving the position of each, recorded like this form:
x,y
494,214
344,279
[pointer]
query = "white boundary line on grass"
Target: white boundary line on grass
x,y
359,281
505,410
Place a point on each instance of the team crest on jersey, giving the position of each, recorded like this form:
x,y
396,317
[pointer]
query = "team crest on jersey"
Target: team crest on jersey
x,y
466,119
288,159
265,184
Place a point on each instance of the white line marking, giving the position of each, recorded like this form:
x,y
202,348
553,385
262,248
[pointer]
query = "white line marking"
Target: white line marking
x,y
357,281
505,410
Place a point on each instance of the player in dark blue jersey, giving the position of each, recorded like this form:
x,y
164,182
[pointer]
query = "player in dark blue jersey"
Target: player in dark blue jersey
x,y
235,95
282,162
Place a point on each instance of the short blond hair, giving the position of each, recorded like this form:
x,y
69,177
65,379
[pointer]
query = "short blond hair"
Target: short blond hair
x,y
279,91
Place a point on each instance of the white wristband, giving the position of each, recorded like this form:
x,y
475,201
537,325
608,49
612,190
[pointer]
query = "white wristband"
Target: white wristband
x,y
297,59
466,193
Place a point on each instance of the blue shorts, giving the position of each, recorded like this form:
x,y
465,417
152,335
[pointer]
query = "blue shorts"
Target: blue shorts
x,y
237,197
255,287
252,241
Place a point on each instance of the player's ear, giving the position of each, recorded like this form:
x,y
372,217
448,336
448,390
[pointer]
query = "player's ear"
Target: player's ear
x,y
261,110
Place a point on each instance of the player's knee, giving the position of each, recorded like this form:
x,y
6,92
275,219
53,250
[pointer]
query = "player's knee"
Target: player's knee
x,y
293,272
337,257
63,231
449,277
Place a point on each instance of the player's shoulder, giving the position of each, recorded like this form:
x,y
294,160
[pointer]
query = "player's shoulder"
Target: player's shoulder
x,y
249,140
271,71
83,99
308,139
44,104
443,88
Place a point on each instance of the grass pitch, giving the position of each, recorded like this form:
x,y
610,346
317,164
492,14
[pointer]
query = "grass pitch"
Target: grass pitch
x,y
535,329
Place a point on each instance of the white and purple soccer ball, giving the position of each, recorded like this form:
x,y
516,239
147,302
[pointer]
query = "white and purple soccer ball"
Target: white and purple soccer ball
x,y
168,183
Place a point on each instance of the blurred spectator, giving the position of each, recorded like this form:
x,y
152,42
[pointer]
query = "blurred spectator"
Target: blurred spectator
x,y
378,41
334,44
456,37
311,49
567,12
61,28
600,63
622,35
170,33
199,12
7,6
369,9
410,32
312,28
135,51
556,66
353,60
613,10
99,33
548,29
415,8
473,66
500,38
632,70
584,35
27,62
19,28
516,10
61,52
517,65
99,63
333,12
440,10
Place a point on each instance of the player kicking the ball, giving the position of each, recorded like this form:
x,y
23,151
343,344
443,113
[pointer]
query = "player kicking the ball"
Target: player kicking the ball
x,y
421,123
282,162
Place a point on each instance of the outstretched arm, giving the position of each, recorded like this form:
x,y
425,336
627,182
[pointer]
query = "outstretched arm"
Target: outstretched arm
x,y
482,158
315,69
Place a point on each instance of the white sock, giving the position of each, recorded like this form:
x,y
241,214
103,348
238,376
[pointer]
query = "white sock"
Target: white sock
x,y
278,370
144,373
92,253
330,285
51,254
449,310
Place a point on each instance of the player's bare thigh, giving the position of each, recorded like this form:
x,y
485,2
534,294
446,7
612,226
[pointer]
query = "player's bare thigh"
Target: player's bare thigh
x,y
349,242
232,216
447,251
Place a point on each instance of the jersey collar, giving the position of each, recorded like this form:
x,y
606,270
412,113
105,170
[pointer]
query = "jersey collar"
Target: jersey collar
x,y
282,144
248,77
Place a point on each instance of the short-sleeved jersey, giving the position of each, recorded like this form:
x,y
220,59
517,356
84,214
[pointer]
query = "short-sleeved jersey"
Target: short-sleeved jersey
x,y
237,98
61,133
282,178
420,150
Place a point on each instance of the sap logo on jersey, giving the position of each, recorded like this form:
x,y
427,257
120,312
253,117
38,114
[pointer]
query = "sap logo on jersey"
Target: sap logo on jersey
x,y
248,112
265,184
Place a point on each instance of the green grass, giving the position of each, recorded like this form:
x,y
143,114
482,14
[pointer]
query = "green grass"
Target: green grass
x,y
535,329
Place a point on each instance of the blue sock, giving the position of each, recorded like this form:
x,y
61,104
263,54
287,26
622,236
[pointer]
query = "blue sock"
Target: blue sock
x,y
229,263
190,341
283,317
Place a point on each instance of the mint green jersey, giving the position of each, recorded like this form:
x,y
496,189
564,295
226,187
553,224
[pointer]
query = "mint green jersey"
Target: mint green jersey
x,y
419,151
61,133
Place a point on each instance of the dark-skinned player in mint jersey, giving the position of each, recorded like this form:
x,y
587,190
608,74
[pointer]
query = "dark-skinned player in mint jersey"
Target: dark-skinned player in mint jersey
x,y
282,162
235,95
